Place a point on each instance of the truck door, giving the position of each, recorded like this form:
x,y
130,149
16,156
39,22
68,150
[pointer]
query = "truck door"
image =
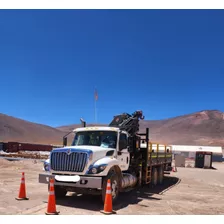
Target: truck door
x,y
123,155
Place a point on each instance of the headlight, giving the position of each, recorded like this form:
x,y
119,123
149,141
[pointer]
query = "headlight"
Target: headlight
x,y
94,170
97,169
102,167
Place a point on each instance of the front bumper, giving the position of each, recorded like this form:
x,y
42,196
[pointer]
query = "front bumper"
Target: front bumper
x,y
85,182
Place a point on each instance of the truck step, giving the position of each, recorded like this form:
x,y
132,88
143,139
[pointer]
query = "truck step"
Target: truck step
x,y
148,175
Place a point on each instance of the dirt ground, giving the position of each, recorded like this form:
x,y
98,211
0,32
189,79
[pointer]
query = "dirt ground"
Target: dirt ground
x,y
188,191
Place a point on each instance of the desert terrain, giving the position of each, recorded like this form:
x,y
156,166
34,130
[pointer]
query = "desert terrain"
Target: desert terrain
x,y
189,191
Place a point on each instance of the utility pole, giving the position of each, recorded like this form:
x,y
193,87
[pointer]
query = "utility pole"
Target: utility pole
x,y
95,99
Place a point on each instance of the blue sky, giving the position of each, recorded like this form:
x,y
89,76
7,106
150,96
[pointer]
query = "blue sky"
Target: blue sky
x,y
164,62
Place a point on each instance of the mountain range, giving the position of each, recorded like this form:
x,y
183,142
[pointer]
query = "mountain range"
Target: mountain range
x,y
200,128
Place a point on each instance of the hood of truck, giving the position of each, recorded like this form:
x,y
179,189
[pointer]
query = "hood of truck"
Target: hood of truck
x,y
87,148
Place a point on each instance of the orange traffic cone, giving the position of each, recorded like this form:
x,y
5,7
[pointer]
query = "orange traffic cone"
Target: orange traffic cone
x,y
51,207
174,169
22,190
108,201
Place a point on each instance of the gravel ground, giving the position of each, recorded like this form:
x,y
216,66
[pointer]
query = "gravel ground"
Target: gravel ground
x,y
26,154
188,191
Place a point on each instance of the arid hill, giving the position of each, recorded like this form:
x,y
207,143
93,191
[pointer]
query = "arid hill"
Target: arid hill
x,y
200,128
14,129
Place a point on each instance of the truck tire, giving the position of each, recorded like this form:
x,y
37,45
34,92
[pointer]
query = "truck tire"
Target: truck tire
x,y
154,176
114,180
161,175
59,191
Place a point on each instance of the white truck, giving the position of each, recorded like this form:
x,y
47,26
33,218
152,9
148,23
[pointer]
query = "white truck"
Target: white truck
x,y
117,152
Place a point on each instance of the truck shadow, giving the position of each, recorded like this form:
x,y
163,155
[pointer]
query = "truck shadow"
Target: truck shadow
x,y
94,203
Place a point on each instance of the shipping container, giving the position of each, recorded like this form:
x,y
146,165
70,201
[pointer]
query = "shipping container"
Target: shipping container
x,y
1,146
4,146
12,147
203,160
179,160
34,147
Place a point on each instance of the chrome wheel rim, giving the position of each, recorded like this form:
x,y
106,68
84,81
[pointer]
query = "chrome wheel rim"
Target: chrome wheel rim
x,y
114,188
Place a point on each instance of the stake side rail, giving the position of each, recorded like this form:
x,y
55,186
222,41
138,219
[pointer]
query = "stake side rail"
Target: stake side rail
x,y
159,154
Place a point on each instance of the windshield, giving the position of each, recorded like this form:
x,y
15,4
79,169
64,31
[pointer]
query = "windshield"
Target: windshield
x,y
107,139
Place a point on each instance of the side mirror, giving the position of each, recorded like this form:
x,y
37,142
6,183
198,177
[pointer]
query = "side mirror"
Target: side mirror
x,y
123,146
64,141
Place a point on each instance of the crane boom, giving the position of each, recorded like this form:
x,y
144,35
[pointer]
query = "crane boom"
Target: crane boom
x,y
128,122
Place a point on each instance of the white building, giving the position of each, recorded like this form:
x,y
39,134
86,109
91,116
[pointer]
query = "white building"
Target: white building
x,y
194,148
189,153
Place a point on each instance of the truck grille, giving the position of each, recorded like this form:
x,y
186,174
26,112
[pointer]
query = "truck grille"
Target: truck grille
x,y
74,162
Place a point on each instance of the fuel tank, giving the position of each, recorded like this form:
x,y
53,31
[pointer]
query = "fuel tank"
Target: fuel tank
x,y
128,180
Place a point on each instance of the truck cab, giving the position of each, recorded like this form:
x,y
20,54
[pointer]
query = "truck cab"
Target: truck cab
x,y
94,150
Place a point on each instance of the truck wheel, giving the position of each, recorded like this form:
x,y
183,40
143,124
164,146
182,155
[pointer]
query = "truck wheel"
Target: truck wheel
x,y
154,176
59,191
114,181
161,175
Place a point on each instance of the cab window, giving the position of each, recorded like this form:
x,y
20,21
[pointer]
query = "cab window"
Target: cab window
x,y
123,141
